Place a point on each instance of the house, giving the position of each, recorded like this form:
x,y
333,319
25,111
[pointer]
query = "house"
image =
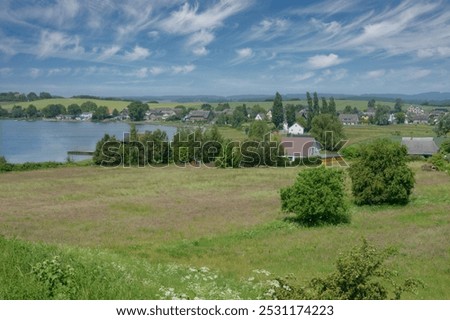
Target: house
x,y
296,129
198,115
85,116
269,115
300,147
259,117
417,118
349,119
160,114
420,146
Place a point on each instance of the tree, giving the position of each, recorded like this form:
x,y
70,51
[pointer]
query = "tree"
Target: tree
x,y
74,109
443,125
348,109
255,110
3,113
324,108
239,116
361,274
317,197
398,105
316,108
382,115
45,95
53,110
277,111
115,113
258,130
100,113
310,114
206,106
88,106
17,112
108,152
328,130
400,117
32,96
371,104
332,106
31,111
136,110
380,174
290,114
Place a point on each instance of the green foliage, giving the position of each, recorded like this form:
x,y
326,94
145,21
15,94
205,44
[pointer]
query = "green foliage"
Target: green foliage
x,y
317,197
290,114
88,106
136,110
443,125
277,111
328,130
100,113
74,109
258,130
360,274
3,113
445,147
239,116
53,110
400,117
108,151
17,112
382,115
381,175
57,277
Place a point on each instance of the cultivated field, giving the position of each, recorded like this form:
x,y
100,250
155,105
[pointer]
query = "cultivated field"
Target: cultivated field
x,y
153,221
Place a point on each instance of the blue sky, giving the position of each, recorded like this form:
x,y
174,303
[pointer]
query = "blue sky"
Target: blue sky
x,y
224,47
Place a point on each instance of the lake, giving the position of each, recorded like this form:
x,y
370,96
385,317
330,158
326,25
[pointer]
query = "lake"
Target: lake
x,y
37,141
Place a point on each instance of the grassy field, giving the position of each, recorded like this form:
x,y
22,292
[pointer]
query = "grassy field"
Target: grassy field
x,y
364,133
151,220
119,105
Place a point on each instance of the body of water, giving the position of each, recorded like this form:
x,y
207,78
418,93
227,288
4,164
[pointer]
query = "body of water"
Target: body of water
x,y
37,141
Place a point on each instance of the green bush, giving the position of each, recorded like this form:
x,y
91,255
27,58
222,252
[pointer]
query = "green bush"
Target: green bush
x,y
317,197
380,174
360,275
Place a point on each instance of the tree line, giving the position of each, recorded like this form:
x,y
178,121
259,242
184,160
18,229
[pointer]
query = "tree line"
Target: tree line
x,y
189,146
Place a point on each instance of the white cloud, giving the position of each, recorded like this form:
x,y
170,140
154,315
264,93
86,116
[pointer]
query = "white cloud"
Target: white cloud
x,y
324,61
109,52
5,71
141,73
156,70
138,53
304,76
35,72
434,52
153,34
56,43
374,74
189,20
58,71
269,29
183,69
61,13
244,53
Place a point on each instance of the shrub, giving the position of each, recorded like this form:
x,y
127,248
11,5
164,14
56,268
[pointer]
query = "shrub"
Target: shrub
x,y
317,197
360,275
380,174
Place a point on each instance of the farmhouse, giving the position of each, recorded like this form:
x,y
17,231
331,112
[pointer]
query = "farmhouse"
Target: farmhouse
x,y
420,146
300,147
198,115
296,129
349,119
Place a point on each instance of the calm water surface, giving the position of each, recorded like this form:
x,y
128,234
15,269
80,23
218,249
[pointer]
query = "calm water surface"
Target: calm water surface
x,y
36,141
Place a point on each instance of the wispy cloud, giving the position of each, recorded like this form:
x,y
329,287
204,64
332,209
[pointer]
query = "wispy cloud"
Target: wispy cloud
x,y
138,53
109,52
183,69
35,72
324,61
56,43
199,25
304,76
375,74
6,71
268,29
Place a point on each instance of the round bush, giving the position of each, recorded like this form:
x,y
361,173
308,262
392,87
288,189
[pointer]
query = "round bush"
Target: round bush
x,y
317,197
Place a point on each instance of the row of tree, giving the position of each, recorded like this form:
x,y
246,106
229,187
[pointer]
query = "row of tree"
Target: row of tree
x,y
190,146
54,110
22,97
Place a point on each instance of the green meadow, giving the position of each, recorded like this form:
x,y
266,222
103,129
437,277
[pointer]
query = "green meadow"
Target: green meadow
x,y
161,233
